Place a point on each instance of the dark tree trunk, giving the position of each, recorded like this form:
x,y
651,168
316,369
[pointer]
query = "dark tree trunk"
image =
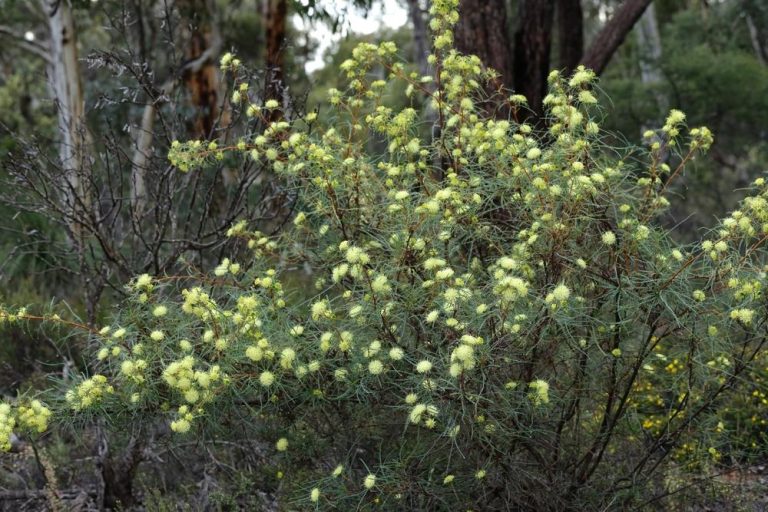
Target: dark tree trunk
x,y
275,16
203,86
613,34
482,31
570,31
420,36
533,42
118,473
421,50
202,82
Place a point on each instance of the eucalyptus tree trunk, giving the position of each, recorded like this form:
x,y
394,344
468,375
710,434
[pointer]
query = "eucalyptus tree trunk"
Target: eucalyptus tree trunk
x,y
67,91
524,66
570,34
203,82
420,36
275,20
649,43
421,50
533,43
754,36
482,31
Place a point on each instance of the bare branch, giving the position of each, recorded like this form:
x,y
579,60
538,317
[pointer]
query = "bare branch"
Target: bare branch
x,y
613,34
143,140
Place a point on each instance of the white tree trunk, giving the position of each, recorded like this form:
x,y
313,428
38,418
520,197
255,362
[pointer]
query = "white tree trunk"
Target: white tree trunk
x,y
754,37
649,41
67,92
141,156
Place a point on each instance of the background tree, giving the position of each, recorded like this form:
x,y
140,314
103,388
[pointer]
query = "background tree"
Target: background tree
x,y
524,65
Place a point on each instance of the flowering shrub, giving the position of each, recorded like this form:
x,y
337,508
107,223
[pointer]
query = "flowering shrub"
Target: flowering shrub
x,y
497,320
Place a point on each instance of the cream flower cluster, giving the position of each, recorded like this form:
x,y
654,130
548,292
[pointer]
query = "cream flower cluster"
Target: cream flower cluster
x,y
89,392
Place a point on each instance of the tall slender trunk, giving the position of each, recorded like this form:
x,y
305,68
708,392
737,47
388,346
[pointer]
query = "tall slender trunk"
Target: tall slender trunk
x,y
649,42
420,36
649,45
570,34
533,42
203,82
67,91
141,158
275,19
754,36
421,50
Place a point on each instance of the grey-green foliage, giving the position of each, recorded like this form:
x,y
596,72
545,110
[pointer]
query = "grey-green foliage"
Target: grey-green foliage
x,y
499,321
487,334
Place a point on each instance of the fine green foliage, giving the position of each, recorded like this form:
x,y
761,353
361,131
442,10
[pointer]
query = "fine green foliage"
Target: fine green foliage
x,y
497,321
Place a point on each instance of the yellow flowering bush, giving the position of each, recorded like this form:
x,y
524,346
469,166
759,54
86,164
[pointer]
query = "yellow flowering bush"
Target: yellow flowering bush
x,y
496,322
31,416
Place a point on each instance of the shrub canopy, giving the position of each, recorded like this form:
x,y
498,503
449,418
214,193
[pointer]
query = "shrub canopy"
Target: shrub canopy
x,y
497,320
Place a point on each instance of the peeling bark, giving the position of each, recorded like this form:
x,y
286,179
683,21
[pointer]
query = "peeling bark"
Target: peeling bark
x,y
203,84
67,91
